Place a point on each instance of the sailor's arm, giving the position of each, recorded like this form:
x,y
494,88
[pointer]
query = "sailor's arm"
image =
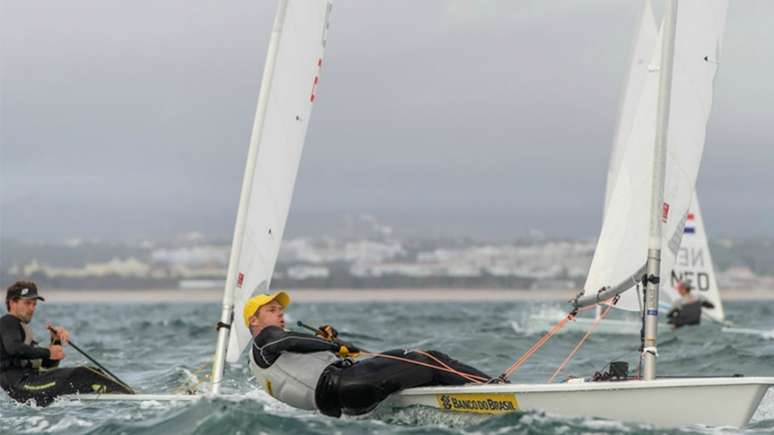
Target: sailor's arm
x,y
269,344
706,302
13,342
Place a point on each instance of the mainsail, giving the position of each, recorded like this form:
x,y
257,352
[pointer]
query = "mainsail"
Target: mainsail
x,y
645,43
288,91
620,258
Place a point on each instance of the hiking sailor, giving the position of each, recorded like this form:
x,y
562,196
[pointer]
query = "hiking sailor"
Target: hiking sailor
x,y
321,372
686,310
28,371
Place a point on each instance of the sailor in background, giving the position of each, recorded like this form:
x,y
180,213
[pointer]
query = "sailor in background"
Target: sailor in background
x,y
686,310
320,372
28,371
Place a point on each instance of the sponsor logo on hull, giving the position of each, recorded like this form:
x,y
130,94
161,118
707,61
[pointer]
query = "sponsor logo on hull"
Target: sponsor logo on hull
x,y
484,403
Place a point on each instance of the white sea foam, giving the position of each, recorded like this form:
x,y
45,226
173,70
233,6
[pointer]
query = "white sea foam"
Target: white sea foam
x,y
767,334
69,423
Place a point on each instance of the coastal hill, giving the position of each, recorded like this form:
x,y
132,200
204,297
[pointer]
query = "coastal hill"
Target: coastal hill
x,y
194,260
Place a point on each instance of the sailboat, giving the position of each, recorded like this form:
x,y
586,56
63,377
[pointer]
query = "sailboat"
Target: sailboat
x,y
641,234
693,264
692,260
287,95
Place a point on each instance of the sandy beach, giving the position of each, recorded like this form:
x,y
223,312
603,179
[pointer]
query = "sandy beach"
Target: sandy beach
x,y
343,295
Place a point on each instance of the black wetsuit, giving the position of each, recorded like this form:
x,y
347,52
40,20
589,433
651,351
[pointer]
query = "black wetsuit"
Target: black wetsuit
x,y
356,386
27,372
687,313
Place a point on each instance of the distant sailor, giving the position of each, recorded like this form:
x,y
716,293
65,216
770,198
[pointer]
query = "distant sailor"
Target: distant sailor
x,y
320,372
686,310
28,371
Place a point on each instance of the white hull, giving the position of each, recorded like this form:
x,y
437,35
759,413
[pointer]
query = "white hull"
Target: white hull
x,y
582,324
132,397
663,402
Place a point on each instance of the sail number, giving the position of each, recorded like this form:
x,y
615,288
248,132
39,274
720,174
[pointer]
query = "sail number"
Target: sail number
x,y
693,257
698,280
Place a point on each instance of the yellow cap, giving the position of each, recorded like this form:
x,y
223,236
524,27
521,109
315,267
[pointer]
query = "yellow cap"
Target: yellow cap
x,y
257,301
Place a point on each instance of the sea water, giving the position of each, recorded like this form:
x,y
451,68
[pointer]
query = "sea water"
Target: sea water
x,y
166,348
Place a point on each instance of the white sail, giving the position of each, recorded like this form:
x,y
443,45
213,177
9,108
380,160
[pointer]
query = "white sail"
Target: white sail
x,y
694,264
278,139
621,250
642,52
697,58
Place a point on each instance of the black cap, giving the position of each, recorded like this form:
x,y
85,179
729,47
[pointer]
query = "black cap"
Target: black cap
x,y
23,293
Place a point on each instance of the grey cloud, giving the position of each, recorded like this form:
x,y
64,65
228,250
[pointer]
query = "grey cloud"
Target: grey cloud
x,y
123,119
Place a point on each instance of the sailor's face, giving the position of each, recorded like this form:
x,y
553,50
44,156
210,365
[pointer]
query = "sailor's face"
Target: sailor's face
x,y
23,309
271,314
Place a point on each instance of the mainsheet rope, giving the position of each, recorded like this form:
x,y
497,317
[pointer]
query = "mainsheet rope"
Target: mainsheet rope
x,y
540,342
582,340
441,365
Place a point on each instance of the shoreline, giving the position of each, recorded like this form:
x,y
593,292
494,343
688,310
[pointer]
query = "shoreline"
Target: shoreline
x,y
346,295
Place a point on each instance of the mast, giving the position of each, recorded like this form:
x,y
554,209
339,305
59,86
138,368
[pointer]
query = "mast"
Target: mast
x,y
659,210
227,310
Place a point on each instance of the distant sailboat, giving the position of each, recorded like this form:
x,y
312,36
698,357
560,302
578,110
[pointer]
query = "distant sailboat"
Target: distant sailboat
x,y
693,263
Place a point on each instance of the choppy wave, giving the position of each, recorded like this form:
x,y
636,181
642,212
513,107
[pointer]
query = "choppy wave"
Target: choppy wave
x,y
164,348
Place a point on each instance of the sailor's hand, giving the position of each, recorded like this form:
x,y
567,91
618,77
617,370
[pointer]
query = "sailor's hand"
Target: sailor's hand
x,y
327,332
59,333
57,353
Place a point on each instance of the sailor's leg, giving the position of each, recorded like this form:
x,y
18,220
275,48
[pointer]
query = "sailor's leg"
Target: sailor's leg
x,y
446,378
87,379
45,385
368,382
42,386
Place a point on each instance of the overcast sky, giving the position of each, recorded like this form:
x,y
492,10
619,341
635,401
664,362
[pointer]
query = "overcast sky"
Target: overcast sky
x,y
483,118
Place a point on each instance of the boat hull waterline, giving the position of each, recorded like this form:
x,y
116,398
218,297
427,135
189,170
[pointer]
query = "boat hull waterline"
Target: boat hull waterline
x,y
133,397
662,402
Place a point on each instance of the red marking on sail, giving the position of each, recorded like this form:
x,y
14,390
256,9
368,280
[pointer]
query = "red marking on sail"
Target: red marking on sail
x,y
240,279
665,212
314,88
691,216
316,81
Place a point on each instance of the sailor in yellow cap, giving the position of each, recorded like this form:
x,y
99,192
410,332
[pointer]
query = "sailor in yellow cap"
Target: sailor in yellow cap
x,y
321,372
